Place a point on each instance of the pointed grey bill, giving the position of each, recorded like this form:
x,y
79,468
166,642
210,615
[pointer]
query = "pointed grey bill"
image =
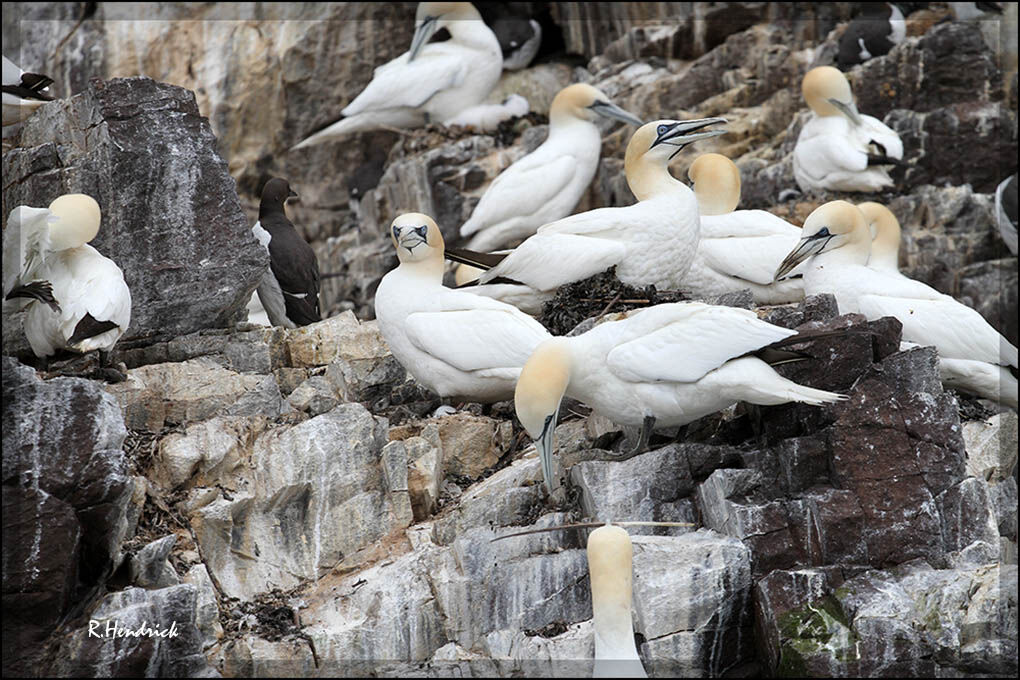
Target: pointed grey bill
x,y
808,246
686,132
422,34
610,110
848,110
545,445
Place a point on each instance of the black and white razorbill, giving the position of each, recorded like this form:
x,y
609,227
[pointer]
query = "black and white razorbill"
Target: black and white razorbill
x,y
519,35
289,289
23,92
877,29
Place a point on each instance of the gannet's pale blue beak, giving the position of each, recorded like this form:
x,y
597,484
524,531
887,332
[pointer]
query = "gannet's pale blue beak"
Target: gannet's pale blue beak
x,y
422,34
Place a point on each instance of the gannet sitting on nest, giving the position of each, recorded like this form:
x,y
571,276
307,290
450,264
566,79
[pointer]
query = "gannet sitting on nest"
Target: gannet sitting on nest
x,y
838,148
664,365
429,82
546,184
457,344
86,305
23,92
836,245
650,242
738,248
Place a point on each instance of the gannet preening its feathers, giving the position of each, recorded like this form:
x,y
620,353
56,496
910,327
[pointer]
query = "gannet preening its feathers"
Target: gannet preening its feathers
x,y
1006,211
664,365
487,117
545,185
429,82
651,242
23,92
885,236
77,299
289,290
457,344
738,249
839,148
877,29
836,246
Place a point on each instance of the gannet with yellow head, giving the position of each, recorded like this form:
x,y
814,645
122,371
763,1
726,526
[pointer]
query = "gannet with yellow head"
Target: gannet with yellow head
x,y
650,242
836,246
664,365
839,148
23,92
546,184
431,81
457,344
885,236
610,566
738,249
76,298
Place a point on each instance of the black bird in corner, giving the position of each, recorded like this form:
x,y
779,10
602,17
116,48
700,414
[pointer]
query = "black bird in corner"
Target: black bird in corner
x,y
289,289
879,27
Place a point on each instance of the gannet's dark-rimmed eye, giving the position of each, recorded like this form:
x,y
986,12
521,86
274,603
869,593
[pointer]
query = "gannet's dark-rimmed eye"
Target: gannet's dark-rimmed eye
x,y
823,233
396,231
662,129
421,231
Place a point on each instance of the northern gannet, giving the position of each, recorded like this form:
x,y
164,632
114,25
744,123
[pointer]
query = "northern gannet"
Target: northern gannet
x,y
487,117
1006,211
838,148
545,185
650,242
519,37
738,249
429,82
457,344
877,29
87,305
23,92
610,567
885,236
836,246
289,289
664,365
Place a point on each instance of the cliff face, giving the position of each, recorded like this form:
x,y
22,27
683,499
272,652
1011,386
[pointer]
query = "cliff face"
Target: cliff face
x,y
290,502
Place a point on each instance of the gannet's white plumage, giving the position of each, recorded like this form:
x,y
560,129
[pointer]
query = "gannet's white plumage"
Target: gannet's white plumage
x,y
487,117
546,184
738,249
92,303
23,92
839,148
1006,211
455,343
610,567
836,245
429,82
885,237
673,363
650,242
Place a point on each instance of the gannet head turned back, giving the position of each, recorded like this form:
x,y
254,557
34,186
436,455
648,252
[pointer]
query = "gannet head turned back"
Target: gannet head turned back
x,y
836,225
581,101
78,217
885,235
455,17
652,147
827,91
715,180
540,389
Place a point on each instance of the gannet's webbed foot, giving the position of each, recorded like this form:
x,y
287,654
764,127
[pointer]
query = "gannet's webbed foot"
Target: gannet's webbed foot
x,y
647,425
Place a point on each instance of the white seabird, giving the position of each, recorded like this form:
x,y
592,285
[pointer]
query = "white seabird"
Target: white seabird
x,y
457,344
839,148
885,237
546,184
610,566
1006,211
664,365
75,298
487,117
23,92
877,29
836,245
650,242
289,290
429,82
738,249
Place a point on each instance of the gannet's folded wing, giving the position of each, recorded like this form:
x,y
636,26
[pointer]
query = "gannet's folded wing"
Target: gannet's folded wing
x,y
689,342
958,331
411,84
546,261
747,244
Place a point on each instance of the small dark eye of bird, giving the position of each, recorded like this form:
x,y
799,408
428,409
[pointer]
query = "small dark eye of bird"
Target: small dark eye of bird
x,y
823,232
422,230
396,231
662,129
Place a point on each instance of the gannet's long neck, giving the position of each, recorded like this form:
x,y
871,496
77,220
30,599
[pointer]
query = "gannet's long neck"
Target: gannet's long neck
x,y
650,178
885,250
428,270
472,33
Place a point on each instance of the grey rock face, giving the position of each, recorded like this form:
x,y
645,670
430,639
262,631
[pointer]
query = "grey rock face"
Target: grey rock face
x,y
180,235
66,495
